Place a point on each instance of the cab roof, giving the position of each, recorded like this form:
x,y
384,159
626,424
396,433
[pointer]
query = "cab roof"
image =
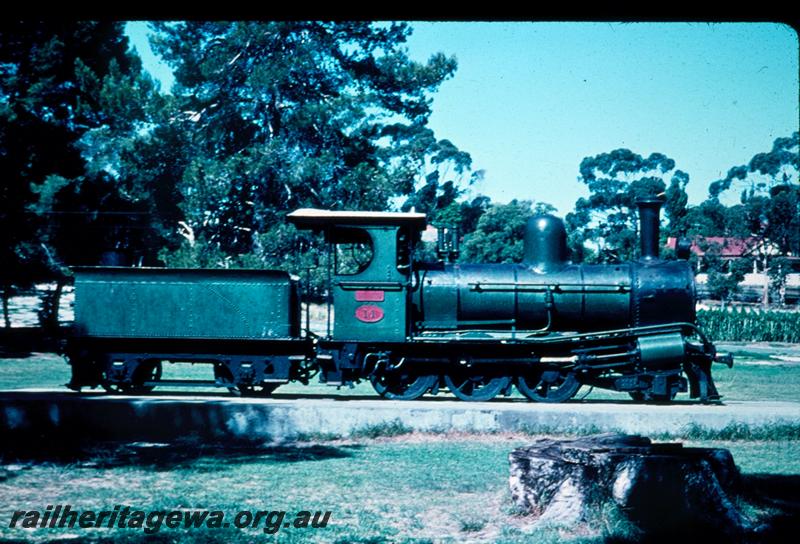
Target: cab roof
x,y
311,218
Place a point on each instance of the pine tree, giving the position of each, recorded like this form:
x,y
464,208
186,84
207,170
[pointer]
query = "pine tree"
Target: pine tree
x,y
55,89
283,115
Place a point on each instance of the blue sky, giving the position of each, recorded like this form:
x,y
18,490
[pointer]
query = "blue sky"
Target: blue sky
x,y
530,100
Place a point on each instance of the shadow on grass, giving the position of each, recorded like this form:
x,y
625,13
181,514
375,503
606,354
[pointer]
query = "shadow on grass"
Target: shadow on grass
x,y
778,496
159,456
774,500
6,354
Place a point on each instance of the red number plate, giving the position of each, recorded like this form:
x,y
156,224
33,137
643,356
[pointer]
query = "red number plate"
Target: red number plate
x,y
369,296
369,313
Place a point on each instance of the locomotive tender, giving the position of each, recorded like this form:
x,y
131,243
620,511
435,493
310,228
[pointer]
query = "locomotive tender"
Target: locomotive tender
x,y
545,326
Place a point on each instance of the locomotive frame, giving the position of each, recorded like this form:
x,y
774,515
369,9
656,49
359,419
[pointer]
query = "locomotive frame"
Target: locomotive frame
x,y
546,326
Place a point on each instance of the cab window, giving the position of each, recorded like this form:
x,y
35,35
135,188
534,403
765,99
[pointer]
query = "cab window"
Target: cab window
x,y
352,251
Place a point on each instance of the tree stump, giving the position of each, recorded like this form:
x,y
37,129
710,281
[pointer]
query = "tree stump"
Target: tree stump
x,y
615,478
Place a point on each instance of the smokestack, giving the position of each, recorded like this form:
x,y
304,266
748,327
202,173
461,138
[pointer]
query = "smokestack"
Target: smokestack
x,y
649,223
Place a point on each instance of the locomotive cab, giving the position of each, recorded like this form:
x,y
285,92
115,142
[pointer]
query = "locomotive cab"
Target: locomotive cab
x,y
370,271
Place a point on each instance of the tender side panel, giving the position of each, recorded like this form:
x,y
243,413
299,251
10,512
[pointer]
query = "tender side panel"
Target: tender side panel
x,y
169,303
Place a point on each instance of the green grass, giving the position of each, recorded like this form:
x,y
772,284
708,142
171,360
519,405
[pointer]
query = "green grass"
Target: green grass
x,y
759,379
759,457
43,370
432,489
379,493
733,432
742,432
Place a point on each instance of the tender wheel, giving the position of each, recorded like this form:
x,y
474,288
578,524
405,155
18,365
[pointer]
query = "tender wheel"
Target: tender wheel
x,y
548,385
263,390
222,375
474,388
116,388
87,371
148,371
401,386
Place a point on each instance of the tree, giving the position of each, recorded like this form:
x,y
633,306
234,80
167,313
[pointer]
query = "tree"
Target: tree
x,y
778,273
129,195
779,166
51,75
443,202
463,215
675,204
284,115
608,217
770,193
724,277
783,219
499,235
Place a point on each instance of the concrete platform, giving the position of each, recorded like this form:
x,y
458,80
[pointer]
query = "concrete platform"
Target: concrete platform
x,y
46,415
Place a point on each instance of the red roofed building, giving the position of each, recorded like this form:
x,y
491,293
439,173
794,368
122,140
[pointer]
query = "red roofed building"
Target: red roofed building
x,y
731,248
727,248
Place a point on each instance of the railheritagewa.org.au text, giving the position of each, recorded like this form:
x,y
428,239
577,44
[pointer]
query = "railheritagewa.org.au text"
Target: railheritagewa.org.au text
x,y
152,521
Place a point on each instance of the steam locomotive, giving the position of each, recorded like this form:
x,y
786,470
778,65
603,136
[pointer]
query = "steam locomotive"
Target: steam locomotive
x,y
545,326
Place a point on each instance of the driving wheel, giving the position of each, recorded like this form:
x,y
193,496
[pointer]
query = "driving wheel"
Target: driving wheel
x,y
402,386
476,388
548,385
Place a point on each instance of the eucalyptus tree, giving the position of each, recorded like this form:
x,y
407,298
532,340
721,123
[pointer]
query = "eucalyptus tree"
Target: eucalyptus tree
x,y
608,216
770,193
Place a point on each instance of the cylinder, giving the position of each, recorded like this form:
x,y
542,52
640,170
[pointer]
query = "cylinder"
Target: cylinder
x,y
649,227
662,350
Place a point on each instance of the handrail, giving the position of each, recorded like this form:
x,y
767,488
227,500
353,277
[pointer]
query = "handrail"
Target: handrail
x,y
385,285
480,286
